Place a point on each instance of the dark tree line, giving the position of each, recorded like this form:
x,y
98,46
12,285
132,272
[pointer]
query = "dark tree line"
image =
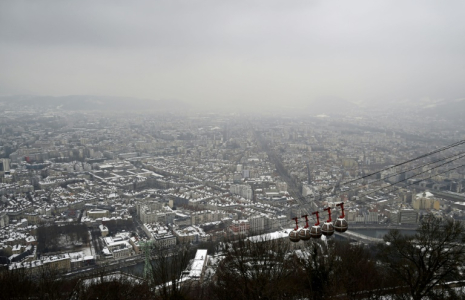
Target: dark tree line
x,y
404,267
44,283
113,288
271,270
166,271
425,262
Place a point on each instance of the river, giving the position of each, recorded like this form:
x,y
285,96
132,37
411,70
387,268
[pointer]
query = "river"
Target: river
x,y
137,270
380,233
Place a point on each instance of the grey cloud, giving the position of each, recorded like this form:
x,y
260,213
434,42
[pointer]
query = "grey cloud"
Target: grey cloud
x,y
242,51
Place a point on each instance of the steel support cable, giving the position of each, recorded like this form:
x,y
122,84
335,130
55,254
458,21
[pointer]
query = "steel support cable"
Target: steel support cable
x,y
395,166
417,167
398,188
410,160
392,184
398,173
458,143
400,164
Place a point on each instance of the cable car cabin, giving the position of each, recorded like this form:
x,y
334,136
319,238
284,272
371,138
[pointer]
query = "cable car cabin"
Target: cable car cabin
x,y
328,227
341,224
294,234
304,233
315,231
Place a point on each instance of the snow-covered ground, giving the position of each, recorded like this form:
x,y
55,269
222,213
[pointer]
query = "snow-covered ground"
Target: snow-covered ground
x,y
88,250
117,276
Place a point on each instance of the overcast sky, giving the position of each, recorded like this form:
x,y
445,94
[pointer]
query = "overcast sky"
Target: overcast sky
x,y
243,52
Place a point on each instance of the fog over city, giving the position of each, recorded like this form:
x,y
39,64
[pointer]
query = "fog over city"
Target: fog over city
x,y
216,54
232,150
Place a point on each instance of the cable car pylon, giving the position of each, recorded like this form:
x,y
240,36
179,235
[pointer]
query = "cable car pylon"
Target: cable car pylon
x,y
294,234
328,227
341,224
315,232
304,233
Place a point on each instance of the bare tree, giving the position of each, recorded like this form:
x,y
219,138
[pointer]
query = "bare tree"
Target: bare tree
x,y
317,265
167,266
356,273
15,283
255,269
50,285
427,260
113,287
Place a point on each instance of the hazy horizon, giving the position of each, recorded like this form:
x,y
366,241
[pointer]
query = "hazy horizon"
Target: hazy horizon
x,y
255,53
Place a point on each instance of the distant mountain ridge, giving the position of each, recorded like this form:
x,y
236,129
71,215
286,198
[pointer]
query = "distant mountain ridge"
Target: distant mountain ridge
x,y
329,106
450,109
90,102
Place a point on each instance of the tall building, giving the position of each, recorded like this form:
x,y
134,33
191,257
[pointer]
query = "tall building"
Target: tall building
x,y
243,190
425,200
281,186
5,166
165,215
240,227
372,217
257,224
4,219
408,216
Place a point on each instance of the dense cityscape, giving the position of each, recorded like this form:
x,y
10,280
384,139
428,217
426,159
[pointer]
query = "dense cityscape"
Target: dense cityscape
x,y
83,190
230,150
